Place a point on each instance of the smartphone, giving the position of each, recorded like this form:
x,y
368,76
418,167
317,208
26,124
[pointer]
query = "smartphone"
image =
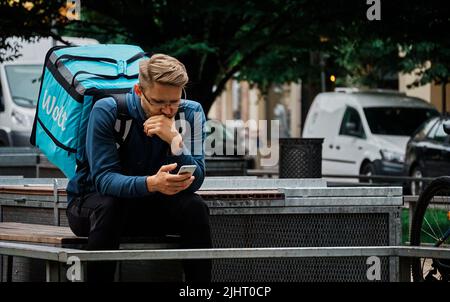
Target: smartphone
x,y
189,169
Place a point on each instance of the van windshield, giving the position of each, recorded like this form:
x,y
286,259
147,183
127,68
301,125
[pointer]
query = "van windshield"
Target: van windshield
x,y
397,120
24,82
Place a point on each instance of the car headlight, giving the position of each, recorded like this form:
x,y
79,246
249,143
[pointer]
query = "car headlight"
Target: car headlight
x,y
392,156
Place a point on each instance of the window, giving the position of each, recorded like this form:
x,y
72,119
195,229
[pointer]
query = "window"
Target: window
x,y
438,134
2,105
351,124
397,120
24,82
424,130
433,130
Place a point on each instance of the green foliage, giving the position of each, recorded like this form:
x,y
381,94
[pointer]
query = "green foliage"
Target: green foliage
x,y
98,26
280,65
429,60
366,62
264,42
27,19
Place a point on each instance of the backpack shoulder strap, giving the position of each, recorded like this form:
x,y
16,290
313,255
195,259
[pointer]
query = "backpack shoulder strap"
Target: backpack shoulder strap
x,y
123,121
122,126
122,107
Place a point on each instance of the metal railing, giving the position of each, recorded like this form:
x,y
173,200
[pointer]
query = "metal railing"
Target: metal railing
x,y
54,255
31,162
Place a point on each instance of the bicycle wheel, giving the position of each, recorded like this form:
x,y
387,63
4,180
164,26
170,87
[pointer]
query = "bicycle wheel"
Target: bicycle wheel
x,y
431,227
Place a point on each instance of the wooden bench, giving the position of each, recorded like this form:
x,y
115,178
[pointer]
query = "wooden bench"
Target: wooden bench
x,y
36,233
29,194
63,237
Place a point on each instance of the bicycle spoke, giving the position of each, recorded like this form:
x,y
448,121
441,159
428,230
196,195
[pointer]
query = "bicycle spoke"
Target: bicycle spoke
x,y
431,226
435,237
434,215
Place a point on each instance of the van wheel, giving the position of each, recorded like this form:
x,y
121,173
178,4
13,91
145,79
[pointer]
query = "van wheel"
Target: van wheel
x,y
367,170
416,187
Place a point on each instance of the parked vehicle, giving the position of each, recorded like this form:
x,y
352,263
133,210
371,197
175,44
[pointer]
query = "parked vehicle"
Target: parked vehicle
x,y
365,132
19,89
427,153
217,139
430,224
223,152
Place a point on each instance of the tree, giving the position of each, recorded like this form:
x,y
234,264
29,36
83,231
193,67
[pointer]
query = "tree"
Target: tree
x,y
430,61
28,19
366,62
414,40
217,40
265,41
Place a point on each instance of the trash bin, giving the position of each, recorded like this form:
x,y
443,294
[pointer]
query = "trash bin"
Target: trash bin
x,y
300,158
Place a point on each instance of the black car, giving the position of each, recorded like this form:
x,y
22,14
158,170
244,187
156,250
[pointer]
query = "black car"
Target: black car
x,y
427,153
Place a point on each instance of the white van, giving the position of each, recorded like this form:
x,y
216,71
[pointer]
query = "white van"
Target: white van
x,y
365,132
20,81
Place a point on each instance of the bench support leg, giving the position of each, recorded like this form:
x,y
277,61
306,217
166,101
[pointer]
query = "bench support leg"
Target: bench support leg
x,y
9,268
52,271
405,269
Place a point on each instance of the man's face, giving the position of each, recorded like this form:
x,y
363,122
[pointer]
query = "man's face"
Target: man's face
x,y
159,99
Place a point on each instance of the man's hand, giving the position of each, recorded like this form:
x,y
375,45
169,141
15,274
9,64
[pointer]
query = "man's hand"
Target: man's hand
x,y
164,127
167,183
161,126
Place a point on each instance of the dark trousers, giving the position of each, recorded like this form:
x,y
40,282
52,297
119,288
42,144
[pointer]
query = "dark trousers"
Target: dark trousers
x,y
104,219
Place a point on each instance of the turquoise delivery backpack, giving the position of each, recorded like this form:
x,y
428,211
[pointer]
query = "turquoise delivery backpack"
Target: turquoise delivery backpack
x,y
73,79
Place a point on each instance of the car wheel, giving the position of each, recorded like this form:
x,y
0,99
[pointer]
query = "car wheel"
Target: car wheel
x,y
416,186
367,170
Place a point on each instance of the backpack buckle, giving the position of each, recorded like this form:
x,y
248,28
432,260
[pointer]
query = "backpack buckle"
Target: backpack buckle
x,y
121,67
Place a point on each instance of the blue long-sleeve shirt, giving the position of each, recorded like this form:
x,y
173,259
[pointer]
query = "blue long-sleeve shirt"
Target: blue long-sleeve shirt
x,y
122,173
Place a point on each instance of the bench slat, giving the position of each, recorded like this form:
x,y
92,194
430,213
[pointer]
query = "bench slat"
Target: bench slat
x,y
24,232
60,236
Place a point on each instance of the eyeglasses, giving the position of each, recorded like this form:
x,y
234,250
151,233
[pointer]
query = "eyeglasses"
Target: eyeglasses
x,y
160,104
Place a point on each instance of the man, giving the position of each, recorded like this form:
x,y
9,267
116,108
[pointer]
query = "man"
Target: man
x,y
131,191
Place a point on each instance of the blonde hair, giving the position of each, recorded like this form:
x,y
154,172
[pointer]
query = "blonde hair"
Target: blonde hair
x,y
162,69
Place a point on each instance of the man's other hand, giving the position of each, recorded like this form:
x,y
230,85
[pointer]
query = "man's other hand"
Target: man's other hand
x,y
167,183
161,126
